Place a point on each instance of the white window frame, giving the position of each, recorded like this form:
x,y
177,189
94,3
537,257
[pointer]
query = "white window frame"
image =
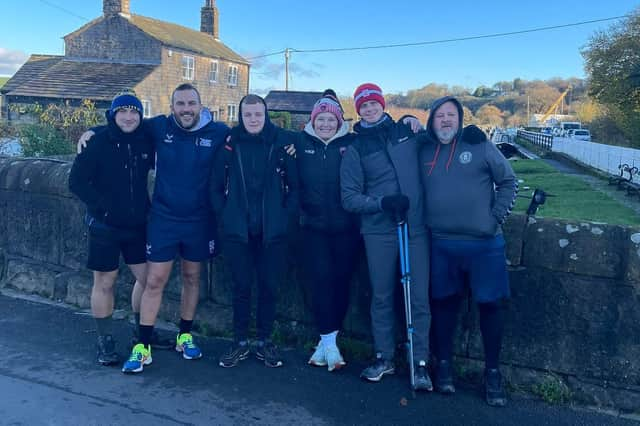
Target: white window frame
x,y
232,113
214,114
188,67
232,76
146,106
213,73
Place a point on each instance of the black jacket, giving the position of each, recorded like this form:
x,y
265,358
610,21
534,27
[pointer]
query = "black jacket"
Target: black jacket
x,y
319,171
235,192
382,161
110,176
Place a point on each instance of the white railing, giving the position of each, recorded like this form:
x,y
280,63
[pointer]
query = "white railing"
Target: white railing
x,y
602,157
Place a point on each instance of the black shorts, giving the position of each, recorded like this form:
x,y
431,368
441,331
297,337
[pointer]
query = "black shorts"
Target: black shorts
x,y
106,243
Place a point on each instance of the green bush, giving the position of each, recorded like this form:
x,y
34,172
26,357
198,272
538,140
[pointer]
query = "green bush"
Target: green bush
x,y
41,140
281,118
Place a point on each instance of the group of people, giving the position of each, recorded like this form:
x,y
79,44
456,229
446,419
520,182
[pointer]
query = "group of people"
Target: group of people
x,y
450,186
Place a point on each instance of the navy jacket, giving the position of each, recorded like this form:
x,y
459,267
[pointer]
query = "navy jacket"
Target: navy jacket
x,y
183,166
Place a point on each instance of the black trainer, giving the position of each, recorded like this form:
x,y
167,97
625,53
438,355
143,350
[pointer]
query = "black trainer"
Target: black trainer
x,y
234,355
107,354
379,368
444,377
421,378
270,354
494,392
157,341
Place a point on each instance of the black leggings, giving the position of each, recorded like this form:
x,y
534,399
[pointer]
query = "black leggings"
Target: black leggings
x,y
328,260
444,313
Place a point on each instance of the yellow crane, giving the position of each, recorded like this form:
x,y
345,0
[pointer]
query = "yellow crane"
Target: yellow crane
x,y
553,107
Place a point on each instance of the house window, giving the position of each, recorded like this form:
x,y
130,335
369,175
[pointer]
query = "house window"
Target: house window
x,y
188,67
214,114
146,106
232,77
213,72
232,113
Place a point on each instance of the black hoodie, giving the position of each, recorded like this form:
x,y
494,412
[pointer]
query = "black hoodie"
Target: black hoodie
x,y
110,176
254,184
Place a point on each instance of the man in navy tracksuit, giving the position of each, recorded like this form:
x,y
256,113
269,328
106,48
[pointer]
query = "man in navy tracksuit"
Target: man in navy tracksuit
x,y
180,223
470,189
110,177
254,189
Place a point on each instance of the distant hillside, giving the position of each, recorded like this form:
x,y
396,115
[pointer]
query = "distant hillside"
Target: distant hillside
x,y
3,80
506,103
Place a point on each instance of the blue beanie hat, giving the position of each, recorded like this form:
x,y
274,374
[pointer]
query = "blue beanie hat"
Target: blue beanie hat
x,y
126,101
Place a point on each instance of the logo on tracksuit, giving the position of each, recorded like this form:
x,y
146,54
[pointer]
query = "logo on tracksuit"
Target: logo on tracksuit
x,y
204,142
148,249
465,157
168,138
212,246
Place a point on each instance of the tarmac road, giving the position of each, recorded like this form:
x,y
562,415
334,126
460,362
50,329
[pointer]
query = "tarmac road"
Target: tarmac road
x,y
48,376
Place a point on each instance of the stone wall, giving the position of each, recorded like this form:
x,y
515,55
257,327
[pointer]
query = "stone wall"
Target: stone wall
x,y
573,321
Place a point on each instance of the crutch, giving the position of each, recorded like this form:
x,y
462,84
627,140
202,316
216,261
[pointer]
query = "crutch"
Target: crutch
x,y
403,243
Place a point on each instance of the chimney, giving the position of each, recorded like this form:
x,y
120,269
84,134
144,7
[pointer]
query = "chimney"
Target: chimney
x,y
116,7
209,18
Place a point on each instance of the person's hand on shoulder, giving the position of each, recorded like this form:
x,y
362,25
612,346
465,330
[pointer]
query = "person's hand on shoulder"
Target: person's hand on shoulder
x,y
84,138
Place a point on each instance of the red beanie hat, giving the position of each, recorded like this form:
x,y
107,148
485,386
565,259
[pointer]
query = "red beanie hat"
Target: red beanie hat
x,y
367,92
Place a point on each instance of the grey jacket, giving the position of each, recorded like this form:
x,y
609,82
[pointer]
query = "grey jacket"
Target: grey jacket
x,y
470,189
382,161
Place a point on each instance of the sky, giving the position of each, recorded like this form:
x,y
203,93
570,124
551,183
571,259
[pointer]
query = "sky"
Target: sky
x,y
253,28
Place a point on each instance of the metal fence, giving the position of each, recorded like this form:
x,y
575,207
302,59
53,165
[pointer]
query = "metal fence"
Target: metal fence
x,y
540,139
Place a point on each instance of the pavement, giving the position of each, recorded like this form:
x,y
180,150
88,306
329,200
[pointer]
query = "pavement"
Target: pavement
x,y
49,376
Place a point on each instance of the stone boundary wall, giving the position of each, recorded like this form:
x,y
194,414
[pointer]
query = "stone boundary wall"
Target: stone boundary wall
x,y
572,324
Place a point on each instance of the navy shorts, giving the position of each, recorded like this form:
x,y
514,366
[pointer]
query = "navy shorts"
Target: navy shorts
x,y
193,241
481,264
106,243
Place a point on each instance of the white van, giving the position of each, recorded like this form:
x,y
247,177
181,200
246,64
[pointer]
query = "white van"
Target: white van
x,y
569,125
581,134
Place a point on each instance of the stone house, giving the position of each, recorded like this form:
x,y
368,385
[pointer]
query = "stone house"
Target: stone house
x,y
119,51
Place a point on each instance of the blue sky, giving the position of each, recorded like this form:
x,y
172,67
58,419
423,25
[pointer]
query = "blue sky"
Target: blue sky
x,y
255,28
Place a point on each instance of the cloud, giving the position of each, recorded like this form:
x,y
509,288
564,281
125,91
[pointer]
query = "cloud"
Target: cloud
x,y
11,60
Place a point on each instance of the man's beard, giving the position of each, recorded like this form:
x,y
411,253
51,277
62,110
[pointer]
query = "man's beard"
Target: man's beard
x,y
446,135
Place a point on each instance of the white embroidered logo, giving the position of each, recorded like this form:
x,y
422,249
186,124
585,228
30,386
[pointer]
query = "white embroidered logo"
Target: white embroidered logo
x,y
212,246
148,249
168,138
309,151
465,157
205,142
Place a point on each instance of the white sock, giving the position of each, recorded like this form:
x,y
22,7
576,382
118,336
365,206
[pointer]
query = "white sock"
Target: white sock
x,y
328,340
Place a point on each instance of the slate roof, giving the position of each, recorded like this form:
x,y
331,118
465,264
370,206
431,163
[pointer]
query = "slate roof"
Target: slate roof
x,y
54,77
36,65
292,101
173,35
185,38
